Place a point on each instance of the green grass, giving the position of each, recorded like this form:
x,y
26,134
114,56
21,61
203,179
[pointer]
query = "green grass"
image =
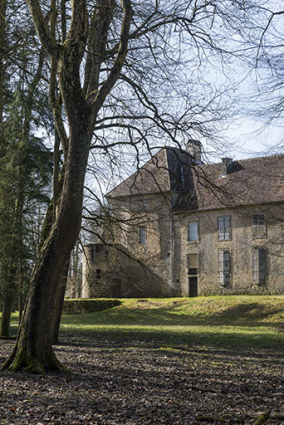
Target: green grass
x,y
228,321
220,321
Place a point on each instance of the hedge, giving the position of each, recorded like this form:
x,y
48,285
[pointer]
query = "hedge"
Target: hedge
x,y
78,306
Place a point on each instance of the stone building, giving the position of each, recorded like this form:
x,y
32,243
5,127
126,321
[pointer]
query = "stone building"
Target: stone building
x,y
184,228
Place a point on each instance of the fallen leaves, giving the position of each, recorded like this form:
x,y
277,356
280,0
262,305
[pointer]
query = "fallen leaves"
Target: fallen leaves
x,y
112,384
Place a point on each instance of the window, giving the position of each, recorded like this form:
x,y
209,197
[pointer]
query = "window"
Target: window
x,y
142,234
259,266
98,273
192,263
224,267
144,203
224,228
258,226
182,175
193,231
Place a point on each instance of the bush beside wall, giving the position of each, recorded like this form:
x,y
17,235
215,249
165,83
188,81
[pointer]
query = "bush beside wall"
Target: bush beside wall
x,y
79,306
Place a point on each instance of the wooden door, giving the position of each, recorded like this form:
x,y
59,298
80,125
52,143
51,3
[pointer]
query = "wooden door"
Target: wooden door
x,y
193,286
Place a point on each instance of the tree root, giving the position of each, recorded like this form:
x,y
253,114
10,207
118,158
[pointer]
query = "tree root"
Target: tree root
x,y
263,418
21,360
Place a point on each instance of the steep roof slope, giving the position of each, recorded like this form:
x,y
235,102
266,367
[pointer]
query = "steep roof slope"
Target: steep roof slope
x,y
249,181
162,173
204,187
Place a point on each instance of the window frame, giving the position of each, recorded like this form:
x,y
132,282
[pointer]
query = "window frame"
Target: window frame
x,y
142,235
223,219
197,231
259,230
259,266
224,270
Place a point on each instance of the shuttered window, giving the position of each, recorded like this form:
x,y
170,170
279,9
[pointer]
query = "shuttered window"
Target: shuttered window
x,y
258,226
259,266
192,264
224,267
224,228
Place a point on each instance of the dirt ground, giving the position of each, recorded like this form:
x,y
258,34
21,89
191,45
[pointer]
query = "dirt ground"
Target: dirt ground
x,y
116,383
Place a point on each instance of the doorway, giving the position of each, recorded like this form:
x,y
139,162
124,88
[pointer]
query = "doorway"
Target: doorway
x,y
193,286
192,264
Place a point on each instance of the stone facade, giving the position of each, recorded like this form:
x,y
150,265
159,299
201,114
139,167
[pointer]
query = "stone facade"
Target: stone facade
x,y
242,248
183,228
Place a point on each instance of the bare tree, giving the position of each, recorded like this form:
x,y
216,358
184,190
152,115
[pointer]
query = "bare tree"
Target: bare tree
x,y
258,45
122,75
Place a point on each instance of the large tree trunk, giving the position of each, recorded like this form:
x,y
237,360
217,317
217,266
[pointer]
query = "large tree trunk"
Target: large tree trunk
x,y
33,350
58,304
6,314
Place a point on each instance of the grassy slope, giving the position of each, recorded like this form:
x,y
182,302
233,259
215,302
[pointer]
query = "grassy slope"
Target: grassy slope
x,y
230,321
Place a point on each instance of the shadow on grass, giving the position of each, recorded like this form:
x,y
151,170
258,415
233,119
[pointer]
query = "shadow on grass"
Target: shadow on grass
x,y
182,322
251,313
155,338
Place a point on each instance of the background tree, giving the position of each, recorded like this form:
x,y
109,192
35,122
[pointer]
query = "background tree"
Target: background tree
x,y
25,164
257,44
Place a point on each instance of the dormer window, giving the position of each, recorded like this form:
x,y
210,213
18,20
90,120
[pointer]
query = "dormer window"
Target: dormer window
x,y
226,164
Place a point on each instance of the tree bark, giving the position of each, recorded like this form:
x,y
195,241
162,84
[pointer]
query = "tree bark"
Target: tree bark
x,y
58,305
6,314
33,350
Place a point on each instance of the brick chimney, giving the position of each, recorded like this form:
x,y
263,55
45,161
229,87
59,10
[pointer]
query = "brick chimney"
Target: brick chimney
x,y
194,149
226,162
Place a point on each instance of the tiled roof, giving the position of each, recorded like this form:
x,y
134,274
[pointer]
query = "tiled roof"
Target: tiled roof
x,y
249,181
162,173
204,187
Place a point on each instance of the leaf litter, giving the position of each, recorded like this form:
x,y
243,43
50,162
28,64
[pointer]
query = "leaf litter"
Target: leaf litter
x,y
115,383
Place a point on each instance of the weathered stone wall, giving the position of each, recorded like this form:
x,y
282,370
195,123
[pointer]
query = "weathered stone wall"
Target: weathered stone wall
x,y
241,246
166,249
99,276
152,212
112,272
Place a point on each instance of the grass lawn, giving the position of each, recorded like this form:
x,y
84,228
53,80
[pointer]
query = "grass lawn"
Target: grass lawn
x,y
234,321
179,361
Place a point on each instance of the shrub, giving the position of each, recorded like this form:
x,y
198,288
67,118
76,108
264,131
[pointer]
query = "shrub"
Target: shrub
x,y
79,306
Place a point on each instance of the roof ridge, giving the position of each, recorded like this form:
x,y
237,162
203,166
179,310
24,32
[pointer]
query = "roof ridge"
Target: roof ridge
x,y
261,157
248,159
